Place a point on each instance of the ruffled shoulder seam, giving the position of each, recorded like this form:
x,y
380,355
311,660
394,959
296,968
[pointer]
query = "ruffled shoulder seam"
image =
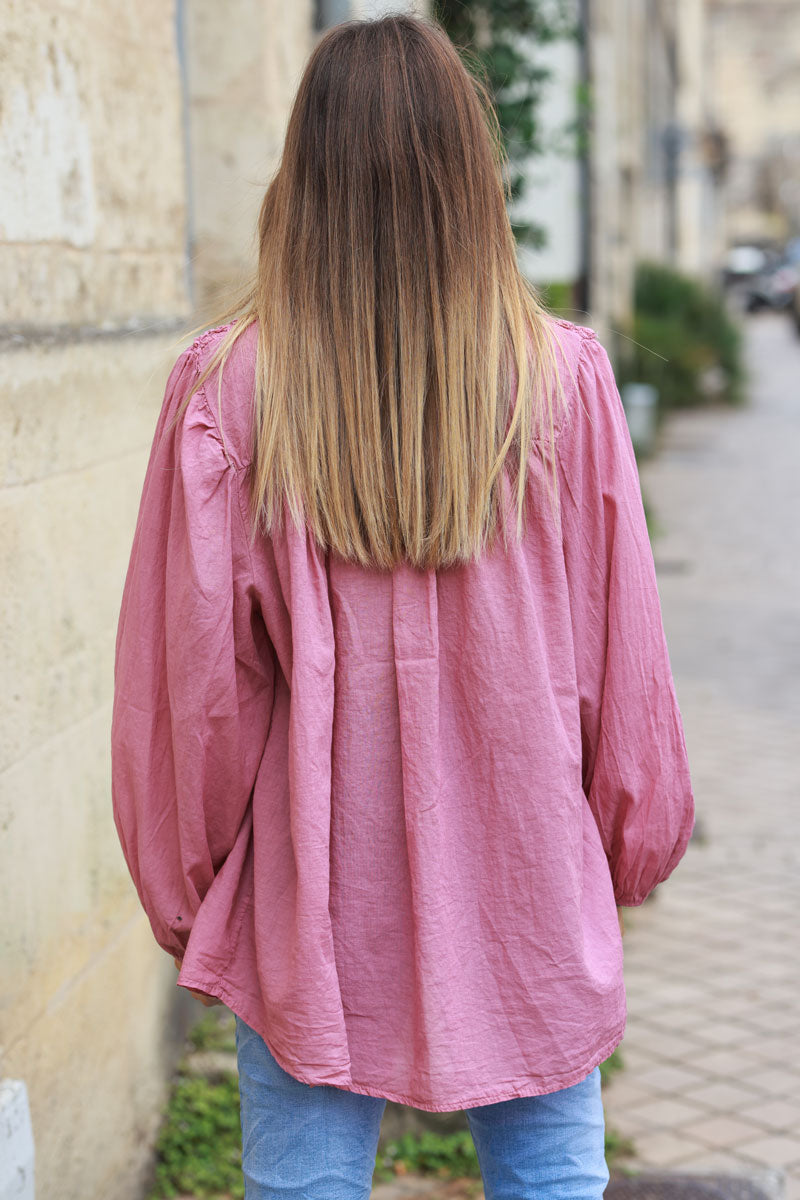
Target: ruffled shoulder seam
x,y
198,350
193,354
589,338
203,338
573,365
585,331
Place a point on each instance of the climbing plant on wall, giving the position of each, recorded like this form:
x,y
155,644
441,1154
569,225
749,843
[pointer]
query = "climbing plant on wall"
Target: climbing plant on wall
x,y
494,36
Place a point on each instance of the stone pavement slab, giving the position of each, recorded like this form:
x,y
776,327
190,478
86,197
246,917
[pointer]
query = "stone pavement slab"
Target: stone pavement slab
x,y
699,1185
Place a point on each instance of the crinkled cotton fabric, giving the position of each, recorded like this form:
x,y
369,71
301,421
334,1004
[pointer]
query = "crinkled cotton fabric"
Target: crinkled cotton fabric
x,y
385,816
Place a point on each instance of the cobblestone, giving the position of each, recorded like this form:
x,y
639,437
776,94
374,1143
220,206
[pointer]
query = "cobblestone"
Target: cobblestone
x,y
712,1046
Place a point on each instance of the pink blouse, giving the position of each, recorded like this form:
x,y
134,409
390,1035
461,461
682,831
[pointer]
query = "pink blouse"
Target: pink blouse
x,y
385,816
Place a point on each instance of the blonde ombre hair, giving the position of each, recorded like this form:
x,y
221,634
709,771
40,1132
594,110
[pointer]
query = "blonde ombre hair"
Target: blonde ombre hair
x,y
393,320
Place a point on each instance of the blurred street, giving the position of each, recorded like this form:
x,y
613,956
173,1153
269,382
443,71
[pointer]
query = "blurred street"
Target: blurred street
x,y
712,1048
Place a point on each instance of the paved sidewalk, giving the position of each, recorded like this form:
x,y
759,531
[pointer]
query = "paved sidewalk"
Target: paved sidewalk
x,y
712,1047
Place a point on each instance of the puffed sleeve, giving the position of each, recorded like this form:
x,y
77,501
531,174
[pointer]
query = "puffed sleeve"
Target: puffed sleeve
x,y
193,672
635,768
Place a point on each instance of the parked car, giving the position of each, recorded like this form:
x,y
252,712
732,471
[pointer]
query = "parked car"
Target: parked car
x,y
775,285
743,261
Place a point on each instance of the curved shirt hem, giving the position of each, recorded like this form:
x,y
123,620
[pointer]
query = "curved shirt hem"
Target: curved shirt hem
x,y
514,1089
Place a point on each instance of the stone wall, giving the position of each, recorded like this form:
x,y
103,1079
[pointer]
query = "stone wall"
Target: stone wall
x,y
244,61
92,206
101,214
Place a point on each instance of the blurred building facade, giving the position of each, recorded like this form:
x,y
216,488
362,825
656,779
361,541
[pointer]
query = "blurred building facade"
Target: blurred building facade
x,y
646,180
754,82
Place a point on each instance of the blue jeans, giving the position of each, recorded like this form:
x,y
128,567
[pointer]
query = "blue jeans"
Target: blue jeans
x,y
320,1143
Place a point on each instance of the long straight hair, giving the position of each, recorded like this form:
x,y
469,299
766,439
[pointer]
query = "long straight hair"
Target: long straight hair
x,y
402,358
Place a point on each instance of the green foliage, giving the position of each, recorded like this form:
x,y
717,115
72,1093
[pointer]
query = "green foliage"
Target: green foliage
x,y
557,295
215,1031
199,1147
681,330
450,1156
611,1065
617,1145
488,35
